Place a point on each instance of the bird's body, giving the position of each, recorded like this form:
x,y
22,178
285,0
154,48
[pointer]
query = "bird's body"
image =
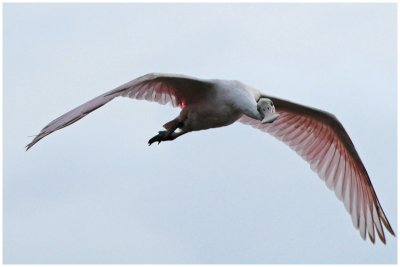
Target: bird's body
x,y
314,134
221,108
202,117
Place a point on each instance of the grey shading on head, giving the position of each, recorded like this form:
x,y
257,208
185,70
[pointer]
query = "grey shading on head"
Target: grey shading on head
x,y
267,110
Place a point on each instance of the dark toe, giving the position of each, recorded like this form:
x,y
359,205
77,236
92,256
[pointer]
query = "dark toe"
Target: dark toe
x,y
161,136
152,140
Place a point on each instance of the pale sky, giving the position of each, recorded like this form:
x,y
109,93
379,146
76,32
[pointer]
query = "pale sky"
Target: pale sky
x,y
95,192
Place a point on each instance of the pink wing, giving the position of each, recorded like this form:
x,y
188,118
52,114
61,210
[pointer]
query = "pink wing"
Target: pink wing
x,y
178,90
321,140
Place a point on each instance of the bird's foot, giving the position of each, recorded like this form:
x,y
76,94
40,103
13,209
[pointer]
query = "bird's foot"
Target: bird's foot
x,y
161,136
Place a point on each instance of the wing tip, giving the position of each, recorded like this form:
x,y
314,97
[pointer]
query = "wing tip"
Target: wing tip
x,y
28,146
372,238
384,219
31,144
35,140
388,227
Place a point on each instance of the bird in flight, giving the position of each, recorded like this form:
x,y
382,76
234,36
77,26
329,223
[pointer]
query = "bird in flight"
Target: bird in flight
x,y
317,136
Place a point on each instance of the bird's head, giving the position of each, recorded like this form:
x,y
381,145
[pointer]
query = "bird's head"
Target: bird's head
x,y
267,110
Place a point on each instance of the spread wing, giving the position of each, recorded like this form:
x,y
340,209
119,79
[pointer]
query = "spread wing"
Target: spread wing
x,y
178,90
320,139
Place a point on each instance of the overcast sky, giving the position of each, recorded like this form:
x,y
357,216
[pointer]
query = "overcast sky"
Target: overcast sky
x,y
95,192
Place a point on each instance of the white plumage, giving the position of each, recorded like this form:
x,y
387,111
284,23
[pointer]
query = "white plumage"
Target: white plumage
x,y
317,136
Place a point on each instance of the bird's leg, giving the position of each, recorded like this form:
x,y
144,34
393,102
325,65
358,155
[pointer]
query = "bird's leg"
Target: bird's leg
x,y
169,134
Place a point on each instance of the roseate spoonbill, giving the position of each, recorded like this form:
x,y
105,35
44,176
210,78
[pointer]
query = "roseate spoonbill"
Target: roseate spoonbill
x,y
314,134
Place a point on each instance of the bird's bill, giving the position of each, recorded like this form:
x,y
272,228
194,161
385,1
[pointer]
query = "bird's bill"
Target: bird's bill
x,y
270,117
